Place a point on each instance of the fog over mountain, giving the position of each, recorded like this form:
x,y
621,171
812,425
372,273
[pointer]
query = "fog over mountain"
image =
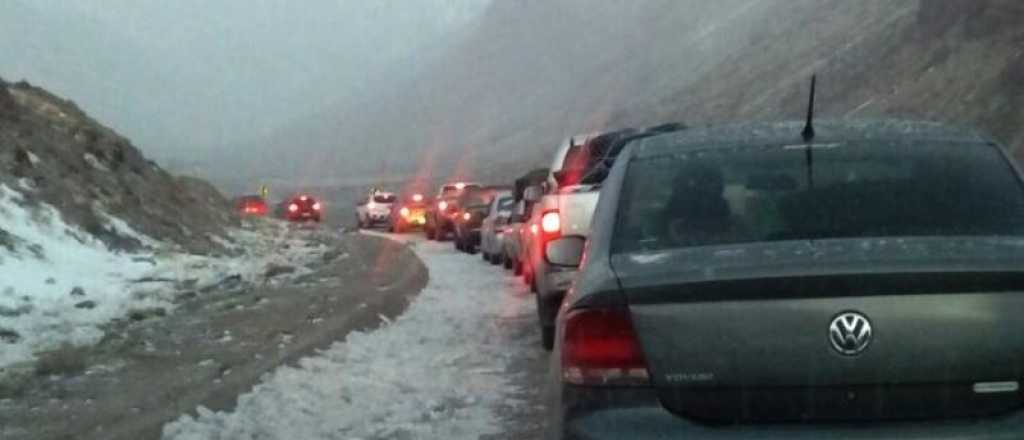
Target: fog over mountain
x,y
185,78
336,92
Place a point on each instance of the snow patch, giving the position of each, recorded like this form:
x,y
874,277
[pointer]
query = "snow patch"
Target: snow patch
x,y
94,162
58,284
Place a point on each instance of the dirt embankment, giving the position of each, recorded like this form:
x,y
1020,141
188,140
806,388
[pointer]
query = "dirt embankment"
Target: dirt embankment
x,y
54,153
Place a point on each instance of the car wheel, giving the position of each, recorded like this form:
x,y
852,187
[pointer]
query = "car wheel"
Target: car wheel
x,y
496,259
429,232
508,263
470,248
533,282
547,337
517,268
485,256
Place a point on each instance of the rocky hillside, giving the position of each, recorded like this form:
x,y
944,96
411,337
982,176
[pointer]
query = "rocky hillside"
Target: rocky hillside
x,y
947,60
53,153
534,71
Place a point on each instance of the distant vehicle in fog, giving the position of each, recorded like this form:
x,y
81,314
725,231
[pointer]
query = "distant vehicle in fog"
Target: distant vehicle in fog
x,y
494,227
375,208
251,205
746,281
442,210
470,209
302,208
409,212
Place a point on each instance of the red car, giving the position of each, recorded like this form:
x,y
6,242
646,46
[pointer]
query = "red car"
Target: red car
x,y
303,208
251,206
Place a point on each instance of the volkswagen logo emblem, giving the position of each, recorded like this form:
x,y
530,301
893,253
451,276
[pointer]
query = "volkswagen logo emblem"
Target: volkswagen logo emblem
x,y
850,333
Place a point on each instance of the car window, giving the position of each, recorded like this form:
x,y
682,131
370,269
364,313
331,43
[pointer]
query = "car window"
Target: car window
x,y
737,195
505,204
384,198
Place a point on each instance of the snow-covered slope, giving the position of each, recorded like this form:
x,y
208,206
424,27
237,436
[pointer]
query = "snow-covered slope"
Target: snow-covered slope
x,y
60,285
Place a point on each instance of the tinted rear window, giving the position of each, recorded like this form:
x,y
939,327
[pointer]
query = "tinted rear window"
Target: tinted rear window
x,y
506,203
381,198
752,194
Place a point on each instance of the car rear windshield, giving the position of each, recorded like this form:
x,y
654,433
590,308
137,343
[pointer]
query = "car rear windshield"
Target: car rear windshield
x,y
384,198
733,195
506,203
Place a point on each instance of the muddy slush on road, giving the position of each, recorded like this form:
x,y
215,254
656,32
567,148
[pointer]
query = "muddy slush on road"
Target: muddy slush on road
x,y
215,346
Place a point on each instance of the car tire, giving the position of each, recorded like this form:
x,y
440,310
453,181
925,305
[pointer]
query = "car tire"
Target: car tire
x,y
429,232
485,256
469,248
496,259
517,268
507,262
547,337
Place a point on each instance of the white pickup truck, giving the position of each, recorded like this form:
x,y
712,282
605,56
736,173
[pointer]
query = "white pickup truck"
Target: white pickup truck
x,y
564,207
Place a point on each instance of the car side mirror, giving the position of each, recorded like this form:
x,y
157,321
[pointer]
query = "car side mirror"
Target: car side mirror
x,y
565,251
532,194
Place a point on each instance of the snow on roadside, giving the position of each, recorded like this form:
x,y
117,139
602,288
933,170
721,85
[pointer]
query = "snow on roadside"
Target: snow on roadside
x,y
59,285
50,260
437,371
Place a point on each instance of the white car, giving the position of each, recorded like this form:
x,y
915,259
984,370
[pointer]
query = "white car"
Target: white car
x,y
375,209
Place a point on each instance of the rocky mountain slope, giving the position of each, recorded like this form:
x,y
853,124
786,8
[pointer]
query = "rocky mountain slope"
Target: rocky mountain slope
x,y
954,61
54,154
532,72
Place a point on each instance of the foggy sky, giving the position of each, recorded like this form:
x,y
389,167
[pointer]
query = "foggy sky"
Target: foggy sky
x,y
185,77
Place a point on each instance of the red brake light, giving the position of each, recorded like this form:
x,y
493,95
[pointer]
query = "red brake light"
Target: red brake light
x,y
316,206
466,216
304,198
600,347
460,185
404,211
534,229
293,207
417,197
551,222
442,205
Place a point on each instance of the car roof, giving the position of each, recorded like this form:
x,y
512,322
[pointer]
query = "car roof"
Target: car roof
x,y
768,133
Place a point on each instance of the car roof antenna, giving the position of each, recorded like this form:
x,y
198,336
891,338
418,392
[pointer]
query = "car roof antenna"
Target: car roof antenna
x,y
808,132
808,135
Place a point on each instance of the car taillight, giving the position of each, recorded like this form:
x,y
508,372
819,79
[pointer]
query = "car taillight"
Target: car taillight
x,y
442,205
600,347
316,206
404,211
417,197
534,229
293,207
551,222
466,216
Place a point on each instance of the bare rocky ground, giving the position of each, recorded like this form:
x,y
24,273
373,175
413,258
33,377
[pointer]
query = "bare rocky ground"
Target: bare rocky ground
x,y
216,345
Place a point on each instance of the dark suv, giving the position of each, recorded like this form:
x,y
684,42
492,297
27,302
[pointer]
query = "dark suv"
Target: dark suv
x,y
442,211
470,209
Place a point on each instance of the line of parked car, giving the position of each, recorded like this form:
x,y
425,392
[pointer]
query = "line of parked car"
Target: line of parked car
x,y
836,280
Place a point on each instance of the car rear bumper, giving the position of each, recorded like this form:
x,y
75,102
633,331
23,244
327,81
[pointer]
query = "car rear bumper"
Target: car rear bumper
x,y
636,413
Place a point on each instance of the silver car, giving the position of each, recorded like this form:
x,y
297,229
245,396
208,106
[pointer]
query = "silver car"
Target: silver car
x,y
492,231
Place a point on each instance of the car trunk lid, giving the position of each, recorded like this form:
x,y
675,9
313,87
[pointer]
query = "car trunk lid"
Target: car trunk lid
x,y
731,338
